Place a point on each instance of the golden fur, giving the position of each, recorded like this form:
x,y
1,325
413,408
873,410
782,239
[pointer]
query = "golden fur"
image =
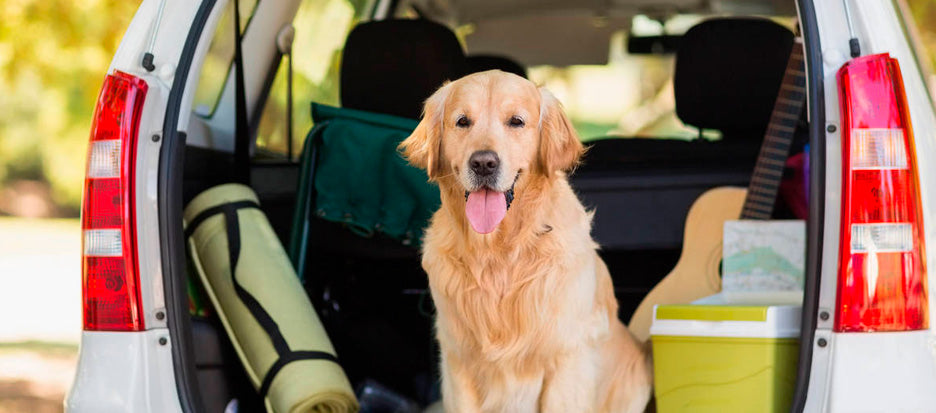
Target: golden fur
x,y
527,318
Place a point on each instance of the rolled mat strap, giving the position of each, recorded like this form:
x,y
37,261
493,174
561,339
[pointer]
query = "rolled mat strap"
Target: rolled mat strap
x,y
289,357
233,237
285,355
215,210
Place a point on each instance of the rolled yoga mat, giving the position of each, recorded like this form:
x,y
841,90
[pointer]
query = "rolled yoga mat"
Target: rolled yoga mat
x,y
265,311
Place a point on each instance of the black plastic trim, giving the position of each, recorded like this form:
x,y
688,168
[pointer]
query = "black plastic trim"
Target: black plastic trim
x,y
268,81
392,9
172,241
815,224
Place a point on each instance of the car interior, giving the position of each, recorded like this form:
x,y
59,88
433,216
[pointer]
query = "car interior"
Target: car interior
x,y
717,67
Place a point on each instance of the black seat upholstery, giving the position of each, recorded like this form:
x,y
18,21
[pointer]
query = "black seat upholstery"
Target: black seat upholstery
x,y
728,73
481,63
392,66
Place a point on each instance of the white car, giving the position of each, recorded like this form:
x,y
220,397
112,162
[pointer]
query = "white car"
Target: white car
x,y
171,122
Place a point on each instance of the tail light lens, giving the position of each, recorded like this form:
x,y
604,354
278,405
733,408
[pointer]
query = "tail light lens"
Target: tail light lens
x,y
882,274
109,263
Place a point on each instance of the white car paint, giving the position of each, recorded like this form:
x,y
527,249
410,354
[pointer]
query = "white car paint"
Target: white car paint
x,y
871,372
147,221
124,372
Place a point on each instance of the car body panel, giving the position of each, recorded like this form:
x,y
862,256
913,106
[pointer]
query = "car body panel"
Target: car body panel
x,y
124,372
131,371
152,292
882,372
871,371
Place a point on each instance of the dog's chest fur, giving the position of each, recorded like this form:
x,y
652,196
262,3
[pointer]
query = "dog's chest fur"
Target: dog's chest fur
x,y
518,305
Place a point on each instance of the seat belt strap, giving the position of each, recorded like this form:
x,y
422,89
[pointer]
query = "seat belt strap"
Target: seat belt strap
x,y
241,172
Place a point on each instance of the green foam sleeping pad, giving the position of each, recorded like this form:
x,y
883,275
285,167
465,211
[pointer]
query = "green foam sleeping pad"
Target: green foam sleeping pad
x,y
264,309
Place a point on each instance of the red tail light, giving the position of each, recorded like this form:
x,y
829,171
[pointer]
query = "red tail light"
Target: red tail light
x,y
109,263
882,274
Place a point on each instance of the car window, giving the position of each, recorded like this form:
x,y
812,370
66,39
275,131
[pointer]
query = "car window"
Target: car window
x,y
630,96
321,28
217,64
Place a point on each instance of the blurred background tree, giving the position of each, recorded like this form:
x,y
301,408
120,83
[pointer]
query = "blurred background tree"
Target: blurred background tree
x,y
53,57
924,15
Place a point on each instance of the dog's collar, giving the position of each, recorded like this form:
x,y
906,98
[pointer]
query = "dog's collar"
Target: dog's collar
x,y
509,194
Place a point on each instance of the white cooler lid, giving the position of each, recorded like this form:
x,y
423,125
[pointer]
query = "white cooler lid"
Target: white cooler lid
x,y
736,314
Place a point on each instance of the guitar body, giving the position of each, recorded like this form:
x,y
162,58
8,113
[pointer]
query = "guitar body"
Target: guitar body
x,y
696,274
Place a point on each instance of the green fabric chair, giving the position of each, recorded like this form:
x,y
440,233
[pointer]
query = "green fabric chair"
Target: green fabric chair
x,y
352,173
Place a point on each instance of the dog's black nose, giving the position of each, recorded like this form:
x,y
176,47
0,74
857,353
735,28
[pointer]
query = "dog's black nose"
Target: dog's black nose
x,y
484,163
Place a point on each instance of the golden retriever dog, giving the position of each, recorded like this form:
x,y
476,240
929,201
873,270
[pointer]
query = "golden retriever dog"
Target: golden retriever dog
x,y
527,318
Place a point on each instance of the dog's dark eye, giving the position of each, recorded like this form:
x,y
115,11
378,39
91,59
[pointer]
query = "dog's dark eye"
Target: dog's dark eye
x,y
463,122
515,122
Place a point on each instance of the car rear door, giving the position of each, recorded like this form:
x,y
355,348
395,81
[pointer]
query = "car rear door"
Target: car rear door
x,y
868,343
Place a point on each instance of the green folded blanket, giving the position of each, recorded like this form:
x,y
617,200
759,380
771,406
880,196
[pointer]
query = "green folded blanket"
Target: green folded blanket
x,y
352,173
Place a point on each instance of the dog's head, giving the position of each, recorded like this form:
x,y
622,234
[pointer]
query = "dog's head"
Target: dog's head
x,y
482,132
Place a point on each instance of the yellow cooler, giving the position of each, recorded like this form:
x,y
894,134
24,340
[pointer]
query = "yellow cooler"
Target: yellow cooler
x,y
726,354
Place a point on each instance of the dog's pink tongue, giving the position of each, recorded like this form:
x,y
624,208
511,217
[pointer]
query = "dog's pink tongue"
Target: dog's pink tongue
x,y
485,209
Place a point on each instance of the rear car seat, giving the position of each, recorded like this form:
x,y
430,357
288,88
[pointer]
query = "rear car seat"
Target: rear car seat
x,y
392,66
370,292
388,67
484,62
728,73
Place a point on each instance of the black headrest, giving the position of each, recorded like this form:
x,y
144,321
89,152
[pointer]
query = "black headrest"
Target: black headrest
x,y
392,66
481,63
728,73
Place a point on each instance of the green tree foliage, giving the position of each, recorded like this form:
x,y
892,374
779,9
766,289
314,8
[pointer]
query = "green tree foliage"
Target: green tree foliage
x,y
924,14
53,58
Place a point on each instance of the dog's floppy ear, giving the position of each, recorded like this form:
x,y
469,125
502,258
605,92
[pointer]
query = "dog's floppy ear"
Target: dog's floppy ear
x,y
559,147
423,149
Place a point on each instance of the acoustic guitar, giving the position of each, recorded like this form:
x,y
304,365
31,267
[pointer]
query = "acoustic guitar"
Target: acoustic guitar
x,y
697,273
